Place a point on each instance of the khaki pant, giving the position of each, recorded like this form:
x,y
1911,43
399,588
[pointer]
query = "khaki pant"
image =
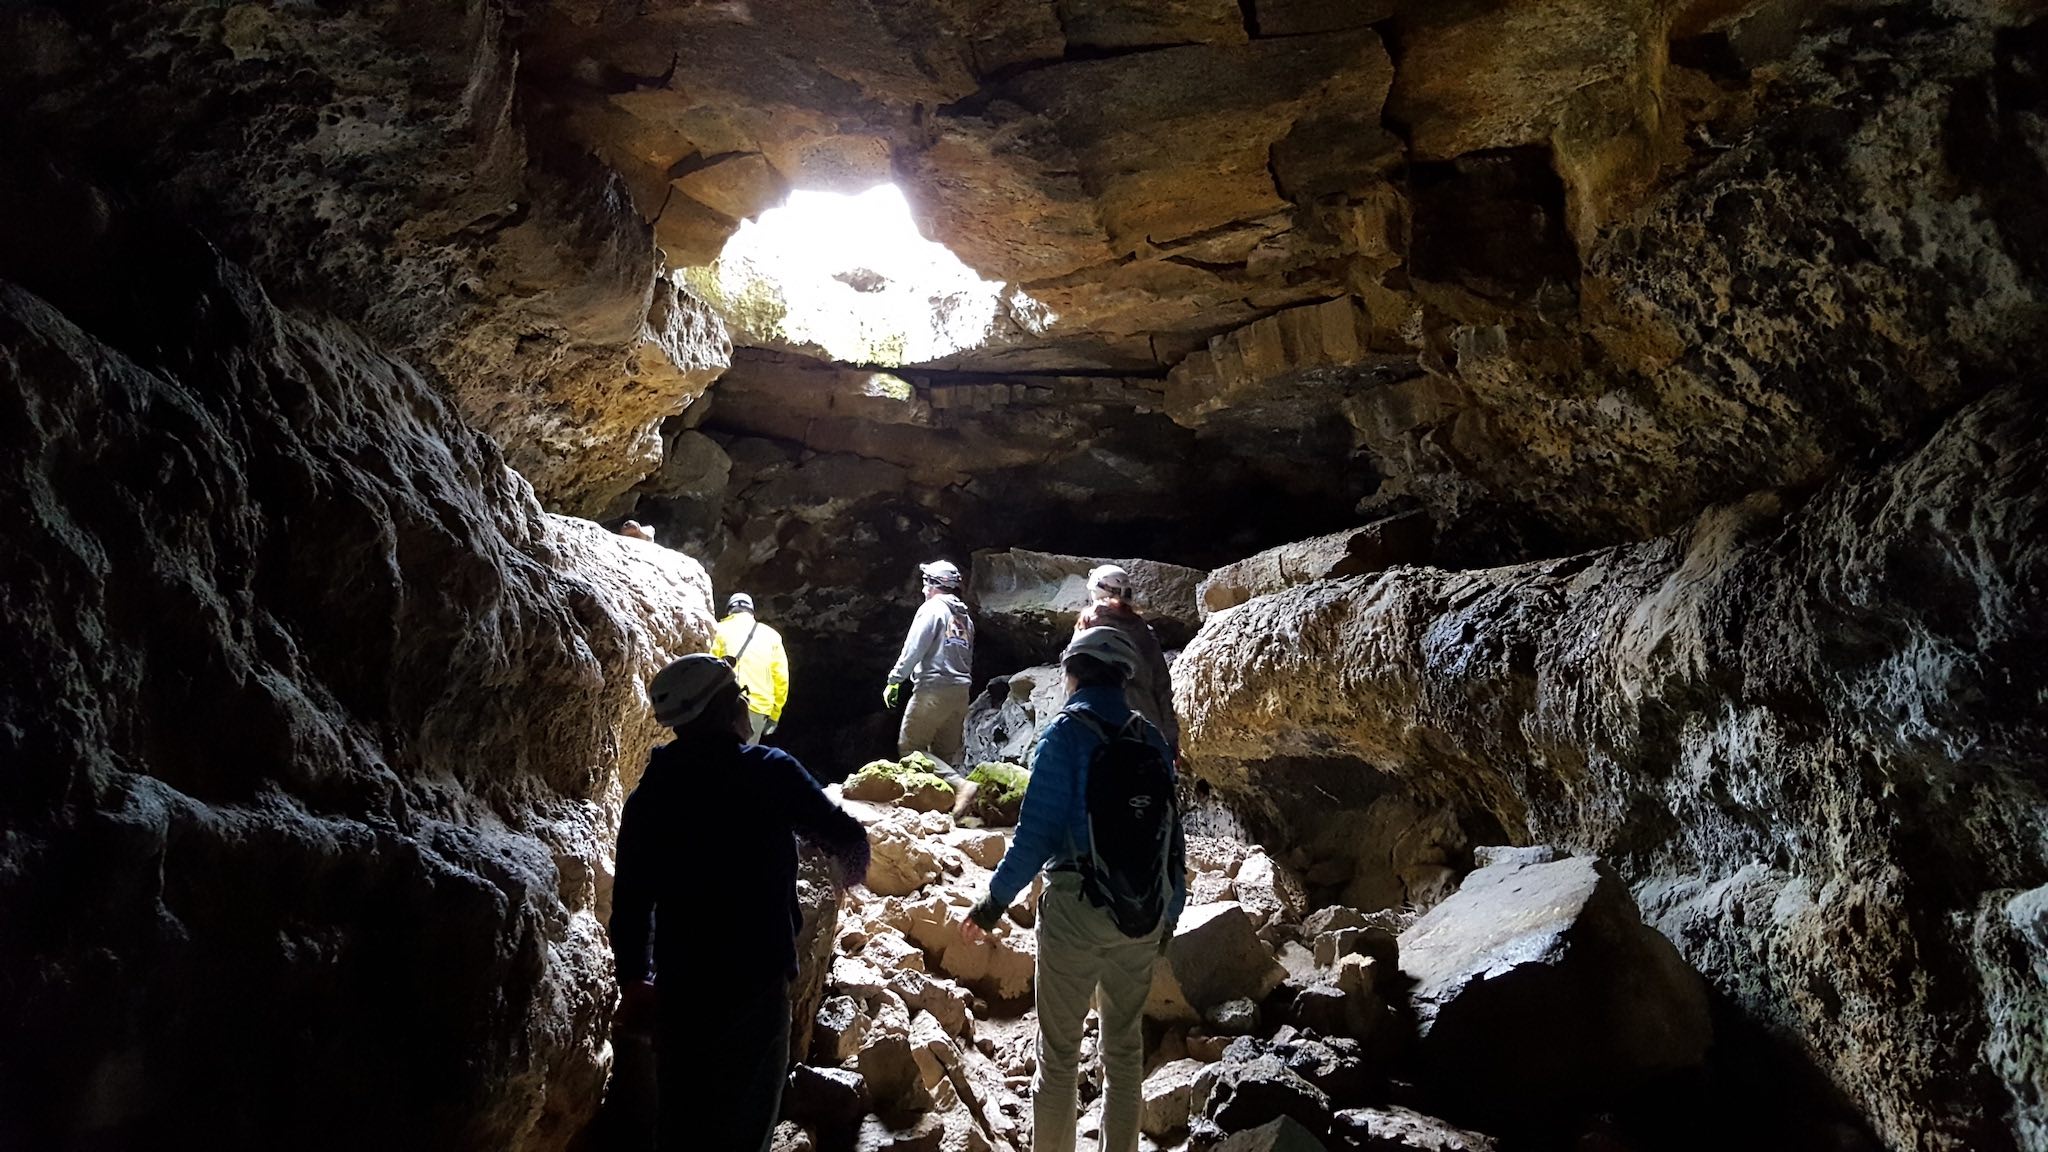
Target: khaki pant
x,y
760,724
1081,953
935,723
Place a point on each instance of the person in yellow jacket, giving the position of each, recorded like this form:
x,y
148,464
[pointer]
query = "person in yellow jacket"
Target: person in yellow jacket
x,y
755,652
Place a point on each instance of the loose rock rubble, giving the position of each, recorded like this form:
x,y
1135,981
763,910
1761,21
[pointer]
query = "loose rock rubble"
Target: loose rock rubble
x,y
1268,1029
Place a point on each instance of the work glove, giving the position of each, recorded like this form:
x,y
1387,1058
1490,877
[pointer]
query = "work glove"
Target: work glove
x,y
770,729
893,694
986,915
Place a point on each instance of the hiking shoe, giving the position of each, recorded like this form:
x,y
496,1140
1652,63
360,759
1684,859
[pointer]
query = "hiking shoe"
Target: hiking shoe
x,y
963,796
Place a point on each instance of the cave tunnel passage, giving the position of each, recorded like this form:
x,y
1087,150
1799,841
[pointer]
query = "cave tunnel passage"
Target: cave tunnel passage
x,y
1587,458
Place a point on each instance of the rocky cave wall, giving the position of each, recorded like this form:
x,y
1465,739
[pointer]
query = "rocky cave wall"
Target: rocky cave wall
x,y
375,161
1809,731
315,728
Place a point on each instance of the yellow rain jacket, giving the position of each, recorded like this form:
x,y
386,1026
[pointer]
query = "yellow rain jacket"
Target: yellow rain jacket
x,y
763,667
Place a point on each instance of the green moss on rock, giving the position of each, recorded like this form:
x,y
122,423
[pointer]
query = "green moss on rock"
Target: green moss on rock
x,y
912,781
1001,796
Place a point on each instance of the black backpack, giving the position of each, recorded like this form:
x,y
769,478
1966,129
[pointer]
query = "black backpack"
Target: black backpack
x,y
1131,816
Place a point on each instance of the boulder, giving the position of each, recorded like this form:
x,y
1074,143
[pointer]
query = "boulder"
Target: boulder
x,y
1492,855
1216,955
889,950
1401,1130
999,966
1320,1008
1538,987
944,1000
1282,1135
1244,1094
902,863
889,1067
931,1048
1211,888
839,1030
856,978
1406,538
923,1134
1216,854
1239,1017
1006,718
1336,1065
1025,602
825,1100
1169,1098
1264,893
873,788
1330,919
791,1137
1374,941
984,848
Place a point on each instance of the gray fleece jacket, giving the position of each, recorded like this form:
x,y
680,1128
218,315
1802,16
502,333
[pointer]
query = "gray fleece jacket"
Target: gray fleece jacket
x,y
940,646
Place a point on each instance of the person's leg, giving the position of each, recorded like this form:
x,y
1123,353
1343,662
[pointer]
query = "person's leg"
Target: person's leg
x,y
1126,980
949,727
1064,985
760,724
915,733
731,1101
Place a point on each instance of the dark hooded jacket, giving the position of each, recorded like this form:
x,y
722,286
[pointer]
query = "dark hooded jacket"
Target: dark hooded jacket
x,y
707,861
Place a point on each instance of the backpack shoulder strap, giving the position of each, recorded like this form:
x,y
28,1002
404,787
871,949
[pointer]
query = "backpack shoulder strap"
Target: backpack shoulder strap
x,y
1093,721
744,644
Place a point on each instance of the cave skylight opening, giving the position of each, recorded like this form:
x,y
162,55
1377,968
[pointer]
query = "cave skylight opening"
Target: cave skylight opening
x,y
850,275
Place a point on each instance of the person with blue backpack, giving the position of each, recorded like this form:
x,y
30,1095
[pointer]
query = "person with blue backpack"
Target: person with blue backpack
x,y
1101,819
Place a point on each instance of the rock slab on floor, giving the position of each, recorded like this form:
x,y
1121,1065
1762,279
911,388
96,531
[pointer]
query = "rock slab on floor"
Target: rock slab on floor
x,y
1401,1130
1538,986
1215,956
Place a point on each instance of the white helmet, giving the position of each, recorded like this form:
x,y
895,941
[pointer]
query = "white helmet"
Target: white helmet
x,y
681,691
942,573
1110,580
740,602
1106,644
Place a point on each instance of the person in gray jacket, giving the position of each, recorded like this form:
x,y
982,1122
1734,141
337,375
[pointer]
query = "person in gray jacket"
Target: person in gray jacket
x,y
937,662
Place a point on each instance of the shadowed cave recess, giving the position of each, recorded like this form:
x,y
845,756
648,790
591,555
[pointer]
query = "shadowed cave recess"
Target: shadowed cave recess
x,y
1579,451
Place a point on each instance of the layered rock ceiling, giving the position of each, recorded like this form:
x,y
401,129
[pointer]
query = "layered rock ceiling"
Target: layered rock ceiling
x,y
1694,340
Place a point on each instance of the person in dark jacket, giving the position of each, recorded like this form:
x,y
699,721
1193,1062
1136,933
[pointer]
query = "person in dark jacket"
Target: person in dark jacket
x,y
704,907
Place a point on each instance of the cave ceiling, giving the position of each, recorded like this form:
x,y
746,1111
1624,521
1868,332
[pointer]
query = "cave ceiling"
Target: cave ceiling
x,y
1155,173
1581,267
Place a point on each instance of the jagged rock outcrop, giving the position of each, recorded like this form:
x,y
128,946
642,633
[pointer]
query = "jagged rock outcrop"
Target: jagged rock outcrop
x,y
377,162
315,751
1404,538
1807,734
1025,602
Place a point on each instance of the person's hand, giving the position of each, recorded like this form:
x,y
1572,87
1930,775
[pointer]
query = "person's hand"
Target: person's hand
x,y
770,729
893,694
981,919
637,1005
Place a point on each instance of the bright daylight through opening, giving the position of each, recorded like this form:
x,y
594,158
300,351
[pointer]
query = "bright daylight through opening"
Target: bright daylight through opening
x,y
852,276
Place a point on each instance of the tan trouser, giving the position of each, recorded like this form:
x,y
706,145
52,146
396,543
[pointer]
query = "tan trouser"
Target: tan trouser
x,y
935,723
1080,953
